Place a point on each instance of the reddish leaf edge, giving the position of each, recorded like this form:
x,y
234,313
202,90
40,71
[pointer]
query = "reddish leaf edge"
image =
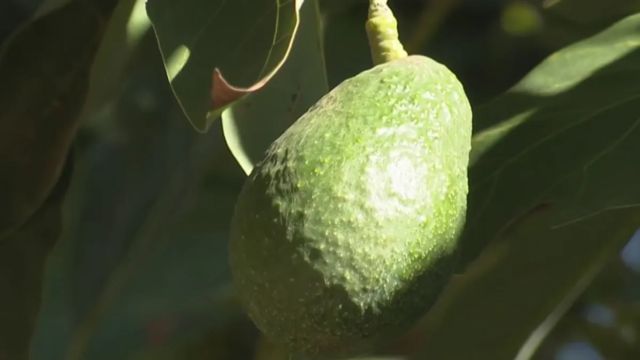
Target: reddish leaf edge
x,y
224,94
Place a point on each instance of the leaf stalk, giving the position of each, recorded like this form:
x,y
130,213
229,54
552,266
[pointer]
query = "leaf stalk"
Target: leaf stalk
x,y
382,31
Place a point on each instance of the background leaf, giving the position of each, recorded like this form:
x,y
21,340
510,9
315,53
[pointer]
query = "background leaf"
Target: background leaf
x,y
22,257
123,33
553,191
592,12
142,261
47,6
251,125
40,102
247,40
22,13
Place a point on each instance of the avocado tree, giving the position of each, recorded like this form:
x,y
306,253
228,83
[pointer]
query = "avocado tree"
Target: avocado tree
x,y
319,179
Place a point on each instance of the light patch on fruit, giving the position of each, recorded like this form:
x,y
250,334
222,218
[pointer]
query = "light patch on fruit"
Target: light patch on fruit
x,y
393,178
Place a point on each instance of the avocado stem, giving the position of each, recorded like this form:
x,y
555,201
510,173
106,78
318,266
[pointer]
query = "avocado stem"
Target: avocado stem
x,y
382,31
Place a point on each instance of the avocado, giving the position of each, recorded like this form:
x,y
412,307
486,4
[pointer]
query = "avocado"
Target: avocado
x,y
346,231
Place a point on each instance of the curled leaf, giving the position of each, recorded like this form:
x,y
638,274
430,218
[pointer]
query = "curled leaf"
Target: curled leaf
x,y
198,47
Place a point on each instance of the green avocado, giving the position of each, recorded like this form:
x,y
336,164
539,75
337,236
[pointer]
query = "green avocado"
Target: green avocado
x,y
346,231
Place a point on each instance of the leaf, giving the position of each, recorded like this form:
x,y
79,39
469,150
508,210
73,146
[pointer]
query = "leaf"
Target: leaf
x,y
38,9
142,261
123,34
553,194
14,16
251,125
22,257
514,293
44,81
47,6
591,12
200,39
43,85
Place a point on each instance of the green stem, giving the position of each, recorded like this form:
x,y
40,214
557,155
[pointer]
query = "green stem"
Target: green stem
x,y
382,30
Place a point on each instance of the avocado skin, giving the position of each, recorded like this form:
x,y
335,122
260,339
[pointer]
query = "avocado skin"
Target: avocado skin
x,y
346,231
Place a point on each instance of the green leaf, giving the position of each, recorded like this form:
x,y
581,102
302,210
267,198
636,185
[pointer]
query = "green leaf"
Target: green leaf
x,y
124,32
44,81
590,12
517,290
22,258
43,85
47,6
39,8
202,39
251,125
142,261
553,194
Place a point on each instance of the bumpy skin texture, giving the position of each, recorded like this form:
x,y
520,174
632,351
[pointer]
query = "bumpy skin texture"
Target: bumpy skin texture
x,y
347,228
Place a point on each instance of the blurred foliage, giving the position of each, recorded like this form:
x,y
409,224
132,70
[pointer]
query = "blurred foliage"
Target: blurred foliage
x,y
139,261
40,102
140,269
22,257
606,318
39,106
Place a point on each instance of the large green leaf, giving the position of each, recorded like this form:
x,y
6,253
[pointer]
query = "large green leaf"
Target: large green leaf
x,y
590,12
22,257
142,260
128,25
44,81
47,6
200,40
250,126
13,16
553,193
44,71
